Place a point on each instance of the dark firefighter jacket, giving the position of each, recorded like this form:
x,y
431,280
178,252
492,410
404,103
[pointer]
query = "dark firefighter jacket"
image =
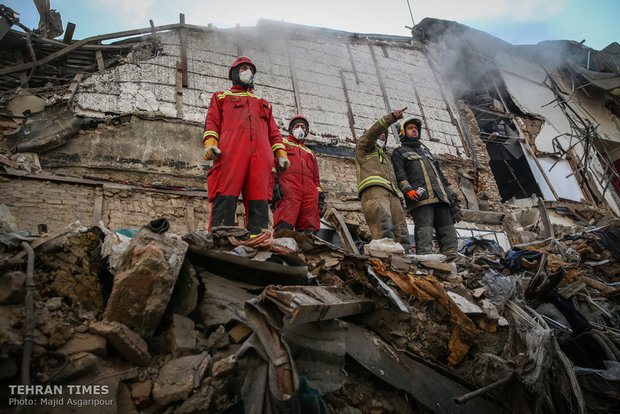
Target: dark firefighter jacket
x,y
415,167
371,162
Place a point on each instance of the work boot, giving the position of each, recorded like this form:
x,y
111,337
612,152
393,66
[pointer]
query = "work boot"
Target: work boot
x,y
282,226
257,216
223,211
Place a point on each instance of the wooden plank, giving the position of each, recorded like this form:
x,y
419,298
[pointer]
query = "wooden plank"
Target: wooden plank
x,y
349,109
545,218
428,130
384,93
69,33
98,206
179,90
99,58
189,214
22,75
239,333
343,231
440,267
61,179
357,80
38,242
294,81
73,87
80,43
183,49
306,304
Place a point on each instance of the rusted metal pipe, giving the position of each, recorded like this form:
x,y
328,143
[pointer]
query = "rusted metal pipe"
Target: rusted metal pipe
x,y
30,322
481,391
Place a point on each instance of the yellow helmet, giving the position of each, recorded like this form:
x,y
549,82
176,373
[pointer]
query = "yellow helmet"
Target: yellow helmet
x,y
403,125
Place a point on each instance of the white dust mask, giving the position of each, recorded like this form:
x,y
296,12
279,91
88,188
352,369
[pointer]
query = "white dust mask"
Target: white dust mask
x,y
246,77
299,133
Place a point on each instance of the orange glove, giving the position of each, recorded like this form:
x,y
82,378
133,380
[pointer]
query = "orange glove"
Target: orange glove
x,y
413,194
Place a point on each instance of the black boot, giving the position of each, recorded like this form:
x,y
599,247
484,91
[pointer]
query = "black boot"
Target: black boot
x,y
257,216
282,226
223,211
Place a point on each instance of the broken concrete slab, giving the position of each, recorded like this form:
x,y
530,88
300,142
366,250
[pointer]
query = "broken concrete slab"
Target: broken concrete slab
x,y
223,301
182,336
218,339
126,342
143,287
78,365
185,294
199,402
84,342
467,307
141,393
179,377
26,102
224,366
484,217
383,248
12,287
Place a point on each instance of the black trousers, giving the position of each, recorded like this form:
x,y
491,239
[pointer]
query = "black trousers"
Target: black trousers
x,y
434,216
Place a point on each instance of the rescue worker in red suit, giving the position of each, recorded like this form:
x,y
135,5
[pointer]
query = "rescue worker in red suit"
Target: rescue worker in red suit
x,y
297,192
241,137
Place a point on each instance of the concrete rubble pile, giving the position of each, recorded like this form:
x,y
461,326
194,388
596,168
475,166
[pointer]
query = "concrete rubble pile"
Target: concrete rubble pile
x,y
218,322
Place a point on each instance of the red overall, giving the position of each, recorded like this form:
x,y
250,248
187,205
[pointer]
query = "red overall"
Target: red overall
x,y
248,136
300,185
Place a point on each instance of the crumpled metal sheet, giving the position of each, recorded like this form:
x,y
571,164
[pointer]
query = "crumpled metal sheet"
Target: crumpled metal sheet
x,y
44,131
430,388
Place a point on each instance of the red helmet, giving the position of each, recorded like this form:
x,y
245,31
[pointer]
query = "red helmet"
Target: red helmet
x,y
298,117
240,61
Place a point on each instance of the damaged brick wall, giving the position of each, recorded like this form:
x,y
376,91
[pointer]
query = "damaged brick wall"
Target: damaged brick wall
x,y
33,202
319,74
126,208
488,192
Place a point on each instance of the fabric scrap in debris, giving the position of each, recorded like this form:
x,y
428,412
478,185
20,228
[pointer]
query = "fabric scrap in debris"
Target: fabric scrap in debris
x,y
513,258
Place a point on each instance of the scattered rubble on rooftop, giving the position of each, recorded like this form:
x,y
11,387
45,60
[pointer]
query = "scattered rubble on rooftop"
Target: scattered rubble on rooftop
x,y
204,322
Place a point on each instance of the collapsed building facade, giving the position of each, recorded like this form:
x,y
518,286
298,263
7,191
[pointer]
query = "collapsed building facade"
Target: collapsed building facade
x,y
110,135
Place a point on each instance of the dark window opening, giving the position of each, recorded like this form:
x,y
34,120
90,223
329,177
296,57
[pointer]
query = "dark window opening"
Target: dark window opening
x,y
508,163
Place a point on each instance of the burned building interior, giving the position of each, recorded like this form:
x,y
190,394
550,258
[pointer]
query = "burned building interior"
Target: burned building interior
x,y
109,276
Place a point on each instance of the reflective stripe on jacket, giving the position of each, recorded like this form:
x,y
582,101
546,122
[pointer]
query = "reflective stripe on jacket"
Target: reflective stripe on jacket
x,y
238,115
372,164
300,188
415,167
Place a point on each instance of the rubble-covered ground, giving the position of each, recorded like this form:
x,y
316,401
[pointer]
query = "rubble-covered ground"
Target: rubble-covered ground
x,y
141,320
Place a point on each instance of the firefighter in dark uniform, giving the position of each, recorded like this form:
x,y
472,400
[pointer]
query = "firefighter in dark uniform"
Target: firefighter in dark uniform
x,y
430,198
